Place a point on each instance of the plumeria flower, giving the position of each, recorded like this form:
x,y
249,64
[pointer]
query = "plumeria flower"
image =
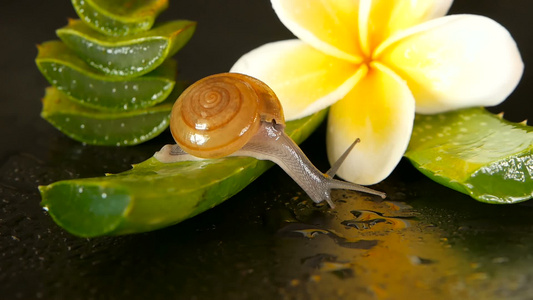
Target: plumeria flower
x,y
376,63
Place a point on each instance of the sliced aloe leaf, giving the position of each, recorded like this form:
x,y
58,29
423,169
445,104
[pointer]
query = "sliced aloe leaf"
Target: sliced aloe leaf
x,y
98,127
119,17
476,153
128,56
66,71
153,195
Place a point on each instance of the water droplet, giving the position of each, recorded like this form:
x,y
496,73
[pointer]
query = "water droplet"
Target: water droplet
x,y
311,233
499,260
365,220
417,260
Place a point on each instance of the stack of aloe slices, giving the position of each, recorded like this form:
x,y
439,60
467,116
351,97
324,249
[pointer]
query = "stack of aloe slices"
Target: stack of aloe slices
x,y
112,72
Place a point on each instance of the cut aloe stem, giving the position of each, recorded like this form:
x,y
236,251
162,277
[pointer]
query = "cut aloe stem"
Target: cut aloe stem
x,y
98,127
153,195
476,153
119,17
129,56
66,71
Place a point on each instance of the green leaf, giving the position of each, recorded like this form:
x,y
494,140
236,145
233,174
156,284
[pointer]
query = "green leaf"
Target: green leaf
x,y
98,127
153,195
119,17
476,153
66,71
129,56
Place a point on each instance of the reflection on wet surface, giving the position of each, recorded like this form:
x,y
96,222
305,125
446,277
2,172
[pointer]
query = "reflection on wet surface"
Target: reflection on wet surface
x,y
397,254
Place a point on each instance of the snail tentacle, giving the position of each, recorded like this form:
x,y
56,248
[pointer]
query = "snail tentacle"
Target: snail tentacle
x,y
335,167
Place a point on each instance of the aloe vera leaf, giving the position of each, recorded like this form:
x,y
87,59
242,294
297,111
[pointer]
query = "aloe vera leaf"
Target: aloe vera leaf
x,y
119,17
81,83
129,56
96,127
153,195
476,153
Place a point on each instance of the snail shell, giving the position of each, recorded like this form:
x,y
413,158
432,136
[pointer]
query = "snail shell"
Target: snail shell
x,y
219,114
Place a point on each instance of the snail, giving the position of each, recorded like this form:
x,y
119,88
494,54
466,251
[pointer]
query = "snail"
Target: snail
x,y
232,114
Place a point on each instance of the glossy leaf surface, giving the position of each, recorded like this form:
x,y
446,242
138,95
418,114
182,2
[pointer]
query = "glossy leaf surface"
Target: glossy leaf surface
x,y
476,153
98,127
128,56
153,195
119,17
66,71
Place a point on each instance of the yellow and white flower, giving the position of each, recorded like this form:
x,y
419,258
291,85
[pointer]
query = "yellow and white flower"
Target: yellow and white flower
x,y
376,62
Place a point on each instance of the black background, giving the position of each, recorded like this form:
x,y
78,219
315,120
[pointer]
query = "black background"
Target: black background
x,y
210,256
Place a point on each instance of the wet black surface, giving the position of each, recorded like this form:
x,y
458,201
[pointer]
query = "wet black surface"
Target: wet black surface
x,y
424,241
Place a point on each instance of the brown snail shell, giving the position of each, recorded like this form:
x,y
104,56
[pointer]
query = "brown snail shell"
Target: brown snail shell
x,y
219,114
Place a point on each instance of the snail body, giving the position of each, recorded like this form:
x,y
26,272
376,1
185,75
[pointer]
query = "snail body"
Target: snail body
x,y
231,114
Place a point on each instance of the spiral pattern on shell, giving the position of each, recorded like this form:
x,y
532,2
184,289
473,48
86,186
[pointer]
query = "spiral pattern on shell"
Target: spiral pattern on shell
x,y
218,114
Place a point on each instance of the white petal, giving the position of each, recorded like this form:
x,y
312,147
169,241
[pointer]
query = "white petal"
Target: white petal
x,y
379,111
455,62
304,79
328,25
379,19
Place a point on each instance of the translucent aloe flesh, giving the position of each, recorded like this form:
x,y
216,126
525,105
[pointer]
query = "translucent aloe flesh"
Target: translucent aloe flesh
x,y
98,127
153,195
476,153
68,73
128,56
119,17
